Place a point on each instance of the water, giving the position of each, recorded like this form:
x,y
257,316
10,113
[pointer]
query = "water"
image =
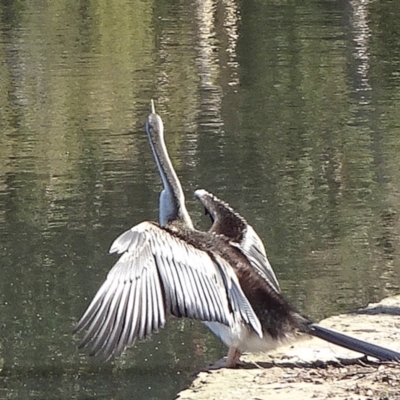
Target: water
x,y
287,111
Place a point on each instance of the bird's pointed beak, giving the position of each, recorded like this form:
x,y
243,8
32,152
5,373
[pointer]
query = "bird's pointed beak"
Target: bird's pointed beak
x,y
153,109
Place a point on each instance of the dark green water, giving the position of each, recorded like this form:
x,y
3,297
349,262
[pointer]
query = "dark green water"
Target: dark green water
x,y
288,110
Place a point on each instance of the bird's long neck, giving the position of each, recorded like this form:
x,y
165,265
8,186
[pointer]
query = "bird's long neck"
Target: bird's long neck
x,y
172,199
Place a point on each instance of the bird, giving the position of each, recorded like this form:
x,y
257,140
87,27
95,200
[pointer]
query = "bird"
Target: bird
x,y
221,277
164,268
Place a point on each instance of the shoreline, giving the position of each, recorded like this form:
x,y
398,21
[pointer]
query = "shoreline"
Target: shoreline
x,y
310,368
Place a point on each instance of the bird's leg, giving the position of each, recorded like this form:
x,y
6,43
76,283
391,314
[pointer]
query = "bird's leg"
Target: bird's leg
x,y
232,359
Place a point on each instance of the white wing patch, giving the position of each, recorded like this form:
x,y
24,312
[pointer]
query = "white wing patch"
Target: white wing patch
x,y
159,273
254,250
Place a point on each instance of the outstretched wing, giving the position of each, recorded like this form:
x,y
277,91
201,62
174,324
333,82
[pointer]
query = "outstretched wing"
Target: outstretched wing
x,y
159,273
227,222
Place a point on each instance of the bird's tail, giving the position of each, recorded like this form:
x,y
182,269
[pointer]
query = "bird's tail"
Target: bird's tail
x,y
352,343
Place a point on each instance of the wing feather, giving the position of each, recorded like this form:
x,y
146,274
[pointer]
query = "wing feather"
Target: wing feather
x,y
143,309
134,319
238,300
190,283
254,250
120,321
127,322
96,319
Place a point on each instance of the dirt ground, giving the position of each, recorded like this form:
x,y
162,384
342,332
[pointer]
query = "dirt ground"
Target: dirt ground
x,y
313,369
